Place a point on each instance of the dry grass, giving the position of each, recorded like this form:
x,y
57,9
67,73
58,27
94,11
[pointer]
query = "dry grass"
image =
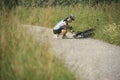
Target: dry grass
x,y
85,17
23,58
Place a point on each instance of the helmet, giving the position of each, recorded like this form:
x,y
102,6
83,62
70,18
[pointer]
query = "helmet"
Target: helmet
x,y
72,17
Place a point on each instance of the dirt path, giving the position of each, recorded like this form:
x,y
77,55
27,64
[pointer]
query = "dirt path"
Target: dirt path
x,y
90,59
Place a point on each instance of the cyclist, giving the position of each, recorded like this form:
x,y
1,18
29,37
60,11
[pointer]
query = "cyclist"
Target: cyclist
x,y
62,26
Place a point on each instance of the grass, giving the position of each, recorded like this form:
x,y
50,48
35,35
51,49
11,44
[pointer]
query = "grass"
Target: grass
x,y
23,58
105,16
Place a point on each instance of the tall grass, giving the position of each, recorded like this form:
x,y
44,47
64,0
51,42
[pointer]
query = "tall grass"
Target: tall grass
x,y
22,58
105,17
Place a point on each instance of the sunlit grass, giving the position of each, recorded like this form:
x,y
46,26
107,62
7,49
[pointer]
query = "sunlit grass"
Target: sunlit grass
x,y
23,58
85,17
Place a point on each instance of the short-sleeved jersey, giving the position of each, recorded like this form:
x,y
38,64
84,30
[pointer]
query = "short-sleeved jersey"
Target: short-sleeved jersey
x,y
59,25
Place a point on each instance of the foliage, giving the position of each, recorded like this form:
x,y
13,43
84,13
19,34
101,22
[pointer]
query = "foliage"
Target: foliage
x,y
8,5
11,4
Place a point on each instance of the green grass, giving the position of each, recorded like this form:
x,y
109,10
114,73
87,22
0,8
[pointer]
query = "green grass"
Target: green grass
x,y
22,58
104,17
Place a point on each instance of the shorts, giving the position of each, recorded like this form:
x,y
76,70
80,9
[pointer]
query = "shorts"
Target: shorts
x,y
58,31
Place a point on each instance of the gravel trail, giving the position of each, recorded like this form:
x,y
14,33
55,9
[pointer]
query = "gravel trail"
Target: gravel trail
x,y
89,59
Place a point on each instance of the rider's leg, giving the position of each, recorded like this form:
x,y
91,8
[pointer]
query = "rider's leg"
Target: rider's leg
x,y
63,33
